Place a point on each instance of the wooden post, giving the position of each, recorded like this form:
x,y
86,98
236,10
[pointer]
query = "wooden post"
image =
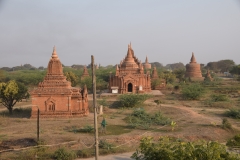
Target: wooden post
x,y
95,107
38,125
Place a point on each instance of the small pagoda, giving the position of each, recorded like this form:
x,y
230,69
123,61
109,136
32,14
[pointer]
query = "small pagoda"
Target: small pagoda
x,y
160,83
55,97
208,76
146,64
85,73
193,70
130,76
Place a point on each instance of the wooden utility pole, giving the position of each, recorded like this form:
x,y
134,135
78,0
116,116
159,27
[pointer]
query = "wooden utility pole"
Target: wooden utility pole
x,y
95,107
38,126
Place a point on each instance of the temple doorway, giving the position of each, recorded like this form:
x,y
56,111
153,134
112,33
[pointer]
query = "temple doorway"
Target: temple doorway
x,y
130,87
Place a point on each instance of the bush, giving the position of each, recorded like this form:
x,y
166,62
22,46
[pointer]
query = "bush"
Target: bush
x,y
226,124
63,154
132,100
233,113
234,142
193,91
105,145
220,97
141,120
168,149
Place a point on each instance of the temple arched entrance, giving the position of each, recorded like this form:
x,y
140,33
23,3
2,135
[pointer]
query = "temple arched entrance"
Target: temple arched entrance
x,y
130,87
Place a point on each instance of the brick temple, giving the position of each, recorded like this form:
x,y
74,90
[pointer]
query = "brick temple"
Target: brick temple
x,y
55,97
193,70
130,76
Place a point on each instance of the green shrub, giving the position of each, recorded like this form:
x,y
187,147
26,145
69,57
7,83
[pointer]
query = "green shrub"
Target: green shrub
x,y
64,154
105,145
193,91
168,149
233,113
133,100
226,124
219,97
141,120
234,142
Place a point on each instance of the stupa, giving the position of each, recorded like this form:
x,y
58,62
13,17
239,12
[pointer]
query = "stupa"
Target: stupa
x,y
146,64
208,76
55,97
130,76
85,73
154,73
160,83
193,70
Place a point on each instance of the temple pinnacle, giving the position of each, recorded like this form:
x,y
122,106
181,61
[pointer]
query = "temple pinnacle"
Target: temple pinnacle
x,y
54,54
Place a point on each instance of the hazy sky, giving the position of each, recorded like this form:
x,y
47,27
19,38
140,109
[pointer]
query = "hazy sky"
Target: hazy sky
x,y
167,31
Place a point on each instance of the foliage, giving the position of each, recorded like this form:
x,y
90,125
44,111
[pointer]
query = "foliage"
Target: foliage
x,y
71,77
102,102
168,76
234,142
132,100
157,64
221,66
86,129
226,124
235,70
169,149
219,97
88,82
155,83
64,154
180,74
175,66
105,145
193,91
233,113
11,93
142,120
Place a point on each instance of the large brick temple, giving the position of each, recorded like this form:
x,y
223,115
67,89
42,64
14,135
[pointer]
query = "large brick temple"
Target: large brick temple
x,y
55,97
130,76
193,70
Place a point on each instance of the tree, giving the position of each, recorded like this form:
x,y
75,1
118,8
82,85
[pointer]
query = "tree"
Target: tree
x,y
11,93
168,76
235,70
71,77
180,73
175,66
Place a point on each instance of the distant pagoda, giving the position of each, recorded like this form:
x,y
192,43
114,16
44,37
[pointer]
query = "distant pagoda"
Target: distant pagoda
x,y
193,70
146,64
85,73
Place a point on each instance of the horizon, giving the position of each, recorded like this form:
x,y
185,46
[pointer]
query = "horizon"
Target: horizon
x,y
166,32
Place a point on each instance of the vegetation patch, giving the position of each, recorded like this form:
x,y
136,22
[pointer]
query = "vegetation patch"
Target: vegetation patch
x,y
234,142
132,100
233,113
193,91
170,149
17,113
141,120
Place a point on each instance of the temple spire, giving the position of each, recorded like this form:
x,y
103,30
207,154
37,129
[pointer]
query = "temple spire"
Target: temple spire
x,y
193,59
146,61
54,54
